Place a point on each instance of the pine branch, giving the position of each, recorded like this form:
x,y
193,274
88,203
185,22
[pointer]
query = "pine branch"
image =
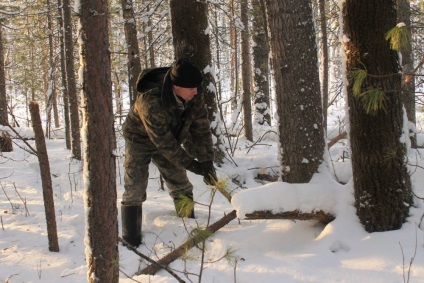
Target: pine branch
x,y
190,243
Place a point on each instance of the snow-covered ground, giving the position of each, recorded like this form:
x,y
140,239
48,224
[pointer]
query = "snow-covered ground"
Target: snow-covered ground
x,y
270,251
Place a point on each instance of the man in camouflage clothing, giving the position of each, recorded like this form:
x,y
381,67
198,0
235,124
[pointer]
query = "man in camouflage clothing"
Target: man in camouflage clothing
x,y
168,109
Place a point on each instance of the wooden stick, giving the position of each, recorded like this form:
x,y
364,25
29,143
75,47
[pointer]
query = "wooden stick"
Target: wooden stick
x,y
336,139
143,256
178,252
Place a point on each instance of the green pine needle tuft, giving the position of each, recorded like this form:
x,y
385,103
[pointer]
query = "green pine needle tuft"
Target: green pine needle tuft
x,y
398,38
201,234
358,76
222,187
184,205
373,100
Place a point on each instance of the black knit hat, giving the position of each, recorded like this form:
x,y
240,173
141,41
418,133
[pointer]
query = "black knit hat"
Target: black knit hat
x,y
185,74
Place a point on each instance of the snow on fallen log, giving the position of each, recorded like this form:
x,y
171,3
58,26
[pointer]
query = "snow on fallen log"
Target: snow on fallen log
x,y
280,200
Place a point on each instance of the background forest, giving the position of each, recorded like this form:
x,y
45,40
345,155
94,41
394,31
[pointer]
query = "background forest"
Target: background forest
x,y
35,55
304,80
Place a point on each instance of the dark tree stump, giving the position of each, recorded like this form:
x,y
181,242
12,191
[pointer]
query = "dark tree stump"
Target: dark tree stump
x,y
5,142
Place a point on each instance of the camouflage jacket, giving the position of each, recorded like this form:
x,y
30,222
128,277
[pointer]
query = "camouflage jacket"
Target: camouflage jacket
x,y
158,123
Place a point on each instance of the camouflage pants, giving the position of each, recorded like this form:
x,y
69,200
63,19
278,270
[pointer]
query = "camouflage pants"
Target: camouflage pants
x,y
137,160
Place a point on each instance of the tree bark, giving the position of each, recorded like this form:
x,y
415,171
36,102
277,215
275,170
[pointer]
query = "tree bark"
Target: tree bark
x,y
234,55
324,60
63,76
51,86
297,87
260,63
191,40
246,73
99,143
71,83
382,186
4,120
46,179
134,64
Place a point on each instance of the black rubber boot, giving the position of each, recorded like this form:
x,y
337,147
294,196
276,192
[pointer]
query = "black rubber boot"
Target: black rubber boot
x,y
131,224
184,205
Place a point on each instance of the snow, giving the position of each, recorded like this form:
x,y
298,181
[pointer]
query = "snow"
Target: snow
x,y
271,251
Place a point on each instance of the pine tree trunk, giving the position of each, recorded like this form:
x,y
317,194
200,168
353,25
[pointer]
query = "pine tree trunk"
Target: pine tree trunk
x,y
189,26
382,185
99,144
52,79
297,87
72,88
4,120
246,73
134,65
324,60
233,55
63,76
260,63
150,42
46,179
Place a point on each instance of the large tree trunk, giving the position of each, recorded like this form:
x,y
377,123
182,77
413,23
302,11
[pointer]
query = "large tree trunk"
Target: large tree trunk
x,y
246,72
408,79
381,182
99,143
297,88
72,87
191,40
134,65
260,63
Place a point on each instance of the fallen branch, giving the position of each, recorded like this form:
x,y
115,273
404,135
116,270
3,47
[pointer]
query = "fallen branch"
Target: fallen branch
x,y
125,243
336,139
291,215
266,177
190,243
